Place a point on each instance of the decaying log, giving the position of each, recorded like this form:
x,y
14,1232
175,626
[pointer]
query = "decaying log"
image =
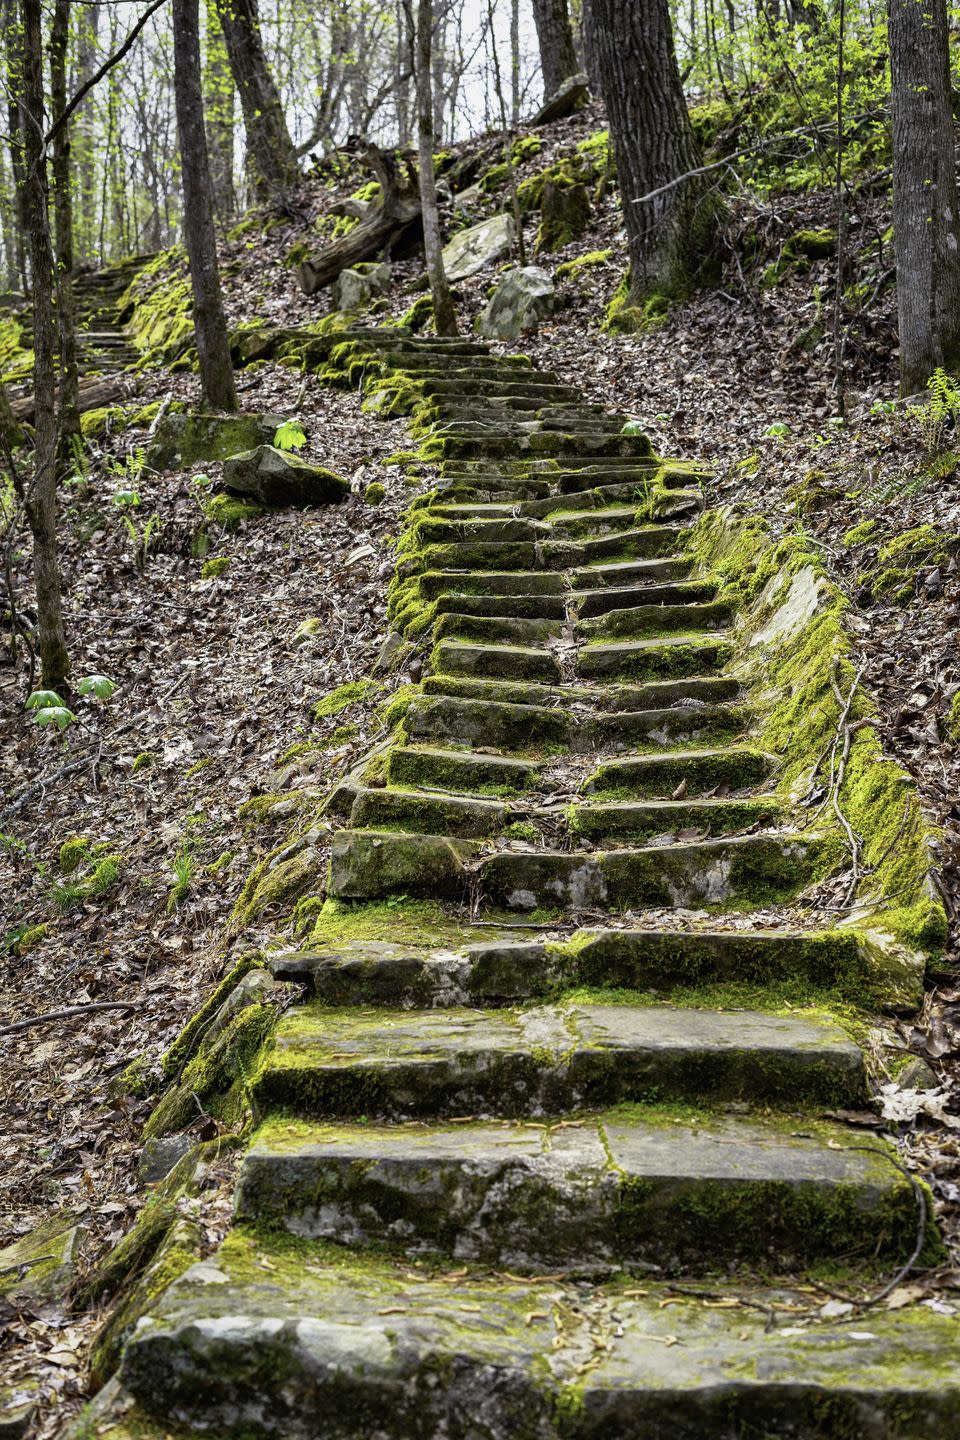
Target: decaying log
x,y
92,397
384,223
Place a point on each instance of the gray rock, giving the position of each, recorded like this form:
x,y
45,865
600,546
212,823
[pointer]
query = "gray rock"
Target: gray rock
x,y
160,1155
917,1075
470,250
40,1265
354,289
520,301
275,477
183,440
565,99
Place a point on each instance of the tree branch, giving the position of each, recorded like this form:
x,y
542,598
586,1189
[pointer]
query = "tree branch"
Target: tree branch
x,y
105,69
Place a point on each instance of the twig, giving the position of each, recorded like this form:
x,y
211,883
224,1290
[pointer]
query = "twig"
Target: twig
x,y
66,1014
905,1269
22,1265
105,69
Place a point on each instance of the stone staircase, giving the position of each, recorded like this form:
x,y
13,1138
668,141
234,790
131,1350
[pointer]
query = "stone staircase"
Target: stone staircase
x,y
103,347
524,1165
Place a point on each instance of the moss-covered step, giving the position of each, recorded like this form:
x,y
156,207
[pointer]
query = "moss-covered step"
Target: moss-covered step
x,y
621,820
637,543
496,629
281,1334
761,868
656,695
621,573
526,607
513,662
460,771
487,722
448,969
651,619
440,530
615,1189
435,583
687,724
592,603
548,1060
412,810
367,864
537,389
739,767
653,658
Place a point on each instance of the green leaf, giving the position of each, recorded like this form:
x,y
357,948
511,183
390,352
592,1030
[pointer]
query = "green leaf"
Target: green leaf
x,y
99,685
289,436
57,715
779,430
125,497
632,427
42,699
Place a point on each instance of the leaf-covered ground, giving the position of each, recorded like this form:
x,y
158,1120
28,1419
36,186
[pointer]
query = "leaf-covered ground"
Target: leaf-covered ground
x,y
215,684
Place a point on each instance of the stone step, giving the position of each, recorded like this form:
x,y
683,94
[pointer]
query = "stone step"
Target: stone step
x,y
528,389
581,524
548,1060
591,603
520,607
389,809
608,1190
616,821
509,726
513,662
728,768
656,695
435,583
651,542
460,771
621,573
552,444
493,972
492,530
633,492
282,1336
646,619
768,868
496,629
652,659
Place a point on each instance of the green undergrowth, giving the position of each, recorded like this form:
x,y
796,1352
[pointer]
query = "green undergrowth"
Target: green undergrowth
x,y
794,654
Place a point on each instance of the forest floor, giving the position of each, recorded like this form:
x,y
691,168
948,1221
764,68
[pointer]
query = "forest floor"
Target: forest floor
x,y
215,685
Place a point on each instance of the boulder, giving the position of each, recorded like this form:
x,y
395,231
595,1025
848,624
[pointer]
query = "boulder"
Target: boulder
x,y
470,250
353,289
274,477
521,300
183,440
565,99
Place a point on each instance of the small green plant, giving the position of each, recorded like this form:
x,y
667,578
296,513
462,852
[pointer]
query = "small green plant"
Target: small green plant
x,y
182,871
779,430
140,537
289,436
50,711
939,413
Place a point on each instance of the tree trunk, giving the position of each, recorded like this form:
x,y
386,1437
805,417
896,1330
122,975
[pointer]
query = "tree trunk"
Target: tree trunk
x,y
925,213
219,92
63,223
558,56
41,497
669,235
213,346
421,34
272,155
13,53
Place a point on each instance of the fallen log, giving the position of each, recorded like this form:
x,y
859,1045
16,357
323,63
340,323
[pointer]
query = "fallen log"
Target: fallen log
x,y
98,394
383,224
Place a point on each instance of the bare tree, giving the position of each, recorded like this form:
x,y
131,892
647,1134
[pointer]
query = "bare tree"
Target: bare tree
x,y
213,345
654,145
63,223
925,213
421,41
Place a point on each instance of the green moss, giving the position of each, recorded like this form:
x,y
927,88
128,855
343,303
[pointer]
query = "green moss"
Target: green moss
x,y
374,493
800,250
525,147
625,317
218,1075
97,422
210,569
564,213
143,761
859,534
343,697
190,1036
31,938
952,722
138,1078
570,269
72,853
229,511
160,303
341,924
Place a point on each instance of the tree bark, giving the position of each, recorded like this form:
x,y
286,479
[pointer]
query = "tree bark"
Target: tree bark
x,y
669,236
272,155
63,225
926,222
213,345
421,34
40,500
558,55
13,54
